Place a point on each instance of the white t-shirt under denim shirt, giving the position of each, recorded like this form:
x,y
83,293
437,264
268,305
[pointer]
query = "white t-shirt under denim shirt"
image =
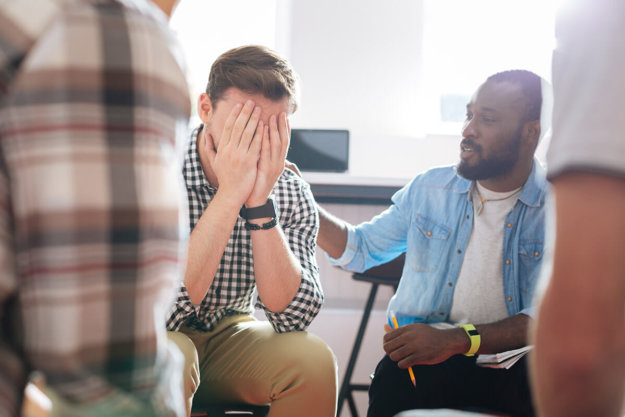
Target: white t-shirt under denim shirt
x,y
479,296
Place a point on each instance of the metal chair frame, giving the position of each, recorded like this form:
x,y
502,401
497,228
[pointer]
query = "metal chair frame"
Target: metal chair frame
x,y
387,274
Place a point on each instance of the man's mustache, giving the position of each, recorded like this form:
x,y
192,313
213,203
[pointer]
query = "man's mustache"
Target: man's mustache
x,y
468,143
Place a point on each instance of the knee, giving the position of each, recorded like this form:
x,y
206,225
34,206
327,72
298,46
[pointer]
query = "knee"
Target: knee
x,y
314,358
191,367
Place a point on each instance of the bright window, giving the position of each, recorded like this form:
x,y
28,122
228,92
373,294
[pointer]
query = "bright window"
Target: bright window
x,y
466,41
206,29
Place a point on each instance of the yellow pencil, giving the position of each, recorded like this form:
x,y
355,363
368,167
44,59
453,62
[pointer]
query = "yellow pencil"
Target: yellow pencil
x,y
414,382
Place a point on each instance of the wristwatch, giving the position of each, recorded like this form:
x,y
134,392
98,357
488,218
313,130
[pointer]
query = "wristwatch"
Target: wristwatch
x,y
474,338
266,210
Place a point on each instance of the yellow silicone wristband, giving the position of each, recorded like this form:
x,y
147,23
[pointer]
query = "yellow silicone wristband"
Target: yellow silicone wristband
x,y
474,337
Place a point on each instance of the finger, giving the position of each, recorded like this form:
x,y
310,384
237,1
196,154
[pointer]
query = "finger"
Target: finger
x,y
408,361
391,351
229,125
265,151
274,137
288,126
285,136
392,334
399,354
392,346
387,328
257,140
241,122
250,129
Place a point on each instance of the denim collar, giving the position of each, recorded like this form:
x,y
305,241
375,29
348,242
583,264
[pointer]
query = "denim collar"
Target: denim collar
x,y
534,189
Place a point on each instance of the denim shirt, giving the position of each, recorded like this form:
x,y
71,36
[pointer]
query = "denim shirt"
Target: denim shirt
x,y
431,220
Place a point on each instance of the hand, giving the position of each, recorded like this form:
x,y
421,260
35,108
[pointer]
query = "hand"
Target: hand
x,y
235,162
422,344
276,139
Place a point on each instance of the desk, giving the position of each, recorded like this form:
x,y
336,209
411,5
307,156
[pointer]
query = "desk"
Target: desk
x,y
344,188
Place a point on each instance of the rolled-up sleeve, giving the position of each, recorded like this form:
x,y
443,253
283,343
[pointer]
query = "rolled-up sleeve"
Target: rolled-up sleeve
x,y
181,309
379,240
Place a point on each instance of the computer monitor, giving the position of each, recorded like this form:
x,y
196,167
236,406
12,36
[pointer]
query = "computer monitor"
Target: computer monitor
x,y
319,150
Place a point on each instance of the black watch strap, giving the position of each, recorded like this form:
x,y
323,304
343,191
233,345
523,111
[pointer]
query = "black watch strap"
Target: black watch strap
x,y
265,226
266,210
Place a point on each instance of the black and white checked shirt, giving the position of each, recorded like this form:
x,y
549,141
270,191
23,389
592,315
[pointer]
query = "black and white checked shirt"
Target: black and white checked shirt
x,y
232,289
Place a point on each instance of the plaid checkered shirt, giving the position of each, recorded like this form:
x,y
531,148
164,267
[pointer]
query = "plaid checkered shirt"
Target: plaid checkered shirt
x,y
232,289
92,99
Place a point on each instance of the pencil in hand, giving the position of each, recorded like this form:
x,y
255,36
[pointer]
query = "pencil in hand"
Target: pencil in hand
x,y
395,325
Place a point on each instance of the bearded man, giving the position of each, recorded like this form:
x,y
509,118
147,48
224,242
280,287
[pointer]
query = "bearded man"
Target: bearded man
x,y
473,237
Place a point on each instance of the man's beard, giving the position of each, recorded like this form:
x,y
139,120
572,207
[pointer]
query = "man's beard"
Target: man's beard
x,y
494,166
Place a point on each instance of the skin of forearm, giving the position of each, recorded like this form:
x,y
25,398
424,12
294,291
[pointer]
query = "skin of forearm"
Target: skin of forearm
x,y
207,243
277,272
332,236
506,334
579,360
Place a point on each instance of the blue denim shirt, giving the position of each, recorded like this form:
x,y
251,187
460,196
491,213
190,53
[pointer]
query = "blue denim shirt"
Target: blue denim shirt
x,y
431,220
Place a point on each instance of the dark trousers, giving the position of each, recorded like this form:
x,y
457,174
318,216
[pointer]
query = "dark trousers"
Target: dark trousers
x,y
456,383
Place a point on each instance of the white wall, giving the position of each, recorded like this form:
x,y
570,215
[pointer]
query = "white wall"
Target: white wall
x,y
357,58
362,65
359,65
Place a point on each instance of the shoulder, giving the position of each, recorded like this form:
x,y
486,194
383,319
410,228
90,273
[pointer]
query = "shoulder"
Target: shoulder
x,y
290,181
443,178
536,187
438,185
136,33
292,193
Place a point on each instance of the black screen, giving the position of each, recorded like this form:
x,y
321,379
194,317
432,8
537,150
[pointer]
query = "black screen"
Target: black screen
x,y
319,150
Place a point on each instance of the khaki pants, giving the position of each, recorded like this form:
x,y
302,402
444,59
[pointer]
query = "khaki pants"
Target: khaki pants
x,y
245,360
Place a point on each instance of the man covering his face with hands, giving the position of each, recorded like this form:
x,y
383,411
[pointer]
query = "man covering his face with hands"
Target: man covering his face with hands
x,y
254,226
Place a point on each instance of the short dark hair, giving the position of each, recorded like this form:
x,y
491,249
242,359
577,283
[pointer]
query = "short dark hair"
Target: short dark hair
x,y
253,69
530,86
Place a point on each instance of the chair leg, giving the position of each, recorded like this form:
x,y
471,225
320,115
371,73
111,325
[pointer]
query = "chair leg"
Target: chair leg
x,y
352,404
345,389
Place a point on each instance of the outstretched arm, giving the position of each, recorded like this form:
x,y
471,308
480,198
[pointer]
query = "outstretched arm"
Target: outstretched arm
x,y
332,236
579,361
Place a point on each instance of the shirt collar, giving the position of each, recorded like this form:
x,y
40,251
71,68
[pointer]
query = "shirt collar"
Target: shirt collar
x,y
193,173
535,187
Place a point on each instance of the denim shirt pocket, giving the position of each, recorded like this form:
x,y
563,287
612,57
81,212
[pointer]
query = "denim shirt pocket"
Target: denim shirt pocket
x,y
530,258
430,240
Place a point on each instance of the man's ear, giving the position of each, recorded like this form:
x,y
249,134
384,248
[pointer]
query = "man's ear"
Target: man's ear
x,y
531,132
205,108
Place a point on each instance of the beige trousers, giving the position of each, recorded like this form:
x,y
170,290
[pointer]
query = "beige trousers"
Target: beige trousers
x,y
245,360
